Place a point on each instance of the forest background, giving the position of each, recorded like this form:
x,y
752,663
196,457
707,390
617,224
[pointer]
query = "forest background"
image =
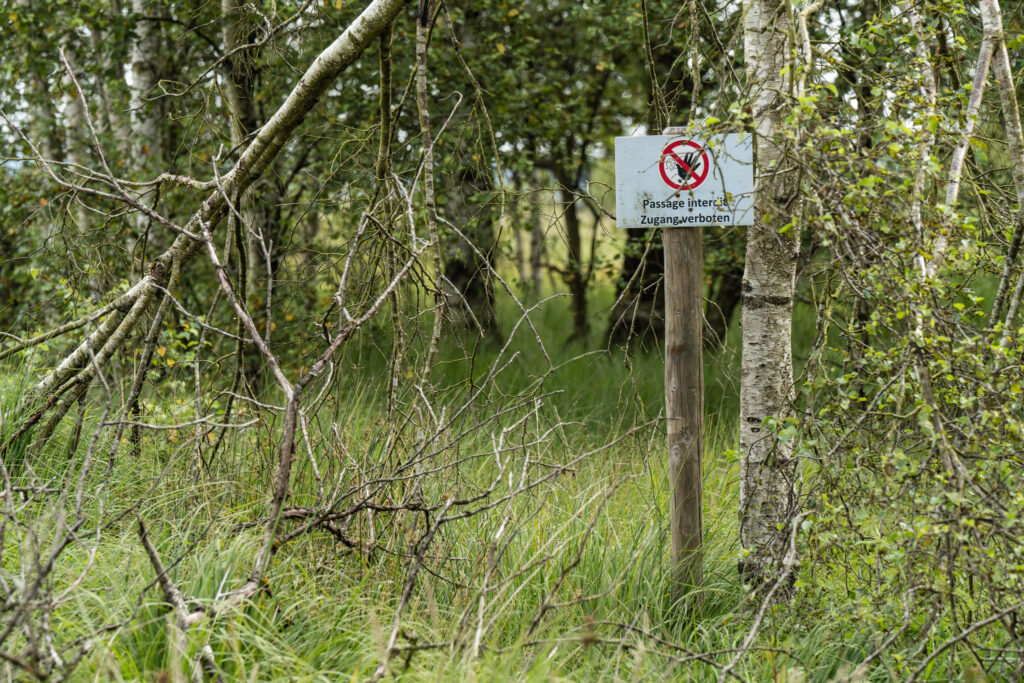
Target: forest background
x,y
322,356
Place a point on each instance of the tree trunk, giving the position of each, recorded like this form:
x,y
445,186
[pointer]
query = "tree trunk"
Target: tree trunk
x,y
108,115
145,117
467,283
537,230
639,310
43,120
992,21
520,226
77,142
767,470
574,276
261,204
144,147
722,301
519,248
257,234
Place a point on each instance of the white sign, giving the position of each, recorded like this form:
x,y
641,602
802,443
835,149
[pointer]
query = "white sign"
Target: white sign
x,y
684,180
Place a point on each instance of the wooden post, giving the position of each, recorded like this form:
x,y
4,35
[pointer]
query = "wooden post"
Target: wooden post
x,y
684,395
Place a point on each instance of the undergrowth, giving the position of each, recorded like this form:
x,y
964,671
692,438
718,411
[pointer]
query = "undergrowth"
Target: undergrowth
x,y
584,590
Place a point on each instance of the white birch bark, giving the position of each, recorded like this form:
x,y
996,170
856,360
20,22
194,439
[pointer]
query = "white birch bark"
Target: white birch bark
x,y
144,144
929,99
992,24
929,91
956,165
767,470
144,116
77,145
427,144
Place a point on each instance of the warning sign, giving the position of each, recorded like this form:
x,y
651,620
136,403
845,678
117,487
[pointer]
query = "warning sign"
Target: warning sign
x,y
684,165
688,180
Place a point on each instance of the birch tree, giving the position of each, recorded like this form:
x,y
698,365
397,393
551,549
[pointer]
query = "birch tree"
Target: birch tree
x,y
994,43
766,468
144,69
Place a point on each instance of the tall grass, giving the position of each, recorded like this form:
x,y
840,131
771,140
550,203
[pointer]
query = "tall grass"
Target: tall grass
x,y
327,610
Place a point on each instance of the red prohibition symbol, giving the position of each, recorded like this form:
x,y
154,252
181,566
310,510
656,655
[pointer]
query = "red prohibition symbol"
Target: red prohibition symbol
x,y
684,165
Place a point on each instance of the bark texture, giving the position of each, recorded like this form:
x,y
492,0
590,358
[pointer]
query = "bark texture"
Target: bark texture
x,y
145,118
467,285
537,230
78,142
766,469
144,146
992,23
574,276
